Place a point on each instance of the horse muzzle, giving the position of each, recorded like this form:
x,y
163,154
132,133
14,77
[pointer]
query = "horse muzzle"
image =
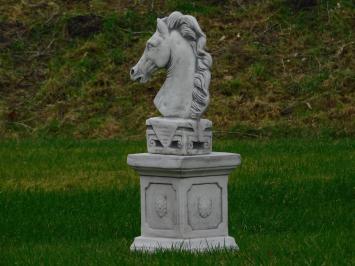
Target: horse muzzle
x,y
137,75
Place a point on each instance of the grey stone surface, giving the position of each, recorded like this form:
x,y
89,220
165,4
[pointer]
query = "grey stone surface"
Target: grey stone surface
x,y
215,163
184,200
184,185
151,244
179,46
179,136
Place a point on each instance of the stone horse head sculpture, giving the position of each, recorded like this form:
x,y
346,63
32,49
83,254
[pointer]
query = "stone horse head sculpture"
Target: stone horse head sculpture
x,y
179,46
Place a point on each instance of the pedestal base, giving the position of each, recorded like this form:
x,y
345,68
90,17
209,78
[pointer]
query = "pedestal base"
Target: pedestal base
x,y
151,244
184,201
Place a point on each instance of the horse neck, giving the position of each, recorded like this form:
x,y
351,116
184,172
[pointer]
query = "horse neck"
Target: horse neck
x,y
174,99
181,69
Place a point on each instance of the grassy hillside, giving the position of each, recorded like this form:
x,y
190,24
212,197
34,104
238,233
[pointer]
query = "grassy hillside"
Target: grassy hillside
x,y
280,68
77,203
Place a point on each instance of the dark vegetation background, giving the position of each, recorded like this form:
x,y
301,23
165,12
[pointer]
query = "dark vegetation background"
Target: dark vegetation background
x,y
281,67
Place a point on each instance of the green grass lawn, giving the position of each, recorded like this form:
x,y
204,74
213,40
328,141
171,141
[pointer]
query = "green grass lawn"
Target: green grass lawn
x,y
77,203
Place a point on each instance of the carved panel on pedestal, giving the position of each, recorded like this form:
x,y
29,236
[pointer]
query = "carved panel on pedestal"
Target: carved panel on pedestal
x,y
160,206
204,206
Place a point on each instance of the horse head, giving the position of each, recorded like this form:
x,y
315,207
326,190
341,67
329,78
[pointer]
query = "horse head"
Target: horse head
x,y
179,46
156,54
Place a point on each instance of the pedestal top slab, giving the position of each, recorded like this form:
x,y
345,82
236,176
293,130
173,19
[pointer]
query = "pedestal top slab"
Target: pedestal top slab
x,y
215,163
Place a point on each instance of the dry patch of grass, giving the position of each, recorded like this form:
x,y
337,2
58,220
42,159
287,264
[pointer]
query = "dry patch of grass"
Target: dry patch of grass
x,y
281,68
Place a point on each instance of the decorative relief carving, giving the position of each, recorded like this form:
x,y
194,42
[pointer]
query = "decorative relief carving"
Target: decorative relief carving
x,y
178,136
151,141
206,145
204,206
161,205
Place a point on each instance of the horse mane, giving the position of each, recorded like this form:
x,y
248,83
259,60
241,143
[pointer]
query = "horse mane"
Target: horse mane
x,y
188,27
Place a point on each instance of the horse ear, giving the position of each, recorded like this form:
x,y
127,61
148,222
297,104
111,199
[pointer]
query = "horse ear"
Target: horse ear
x,y
162,27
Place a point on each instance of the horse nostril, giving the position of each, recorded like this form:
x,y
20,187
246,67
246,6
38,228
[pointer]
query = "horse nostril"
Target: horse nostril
x,y
132,71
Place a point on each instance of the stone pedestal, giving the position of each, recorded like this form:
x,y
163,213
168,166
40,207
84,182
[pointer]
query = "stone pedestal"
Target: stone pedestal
x,y
184,202
179,136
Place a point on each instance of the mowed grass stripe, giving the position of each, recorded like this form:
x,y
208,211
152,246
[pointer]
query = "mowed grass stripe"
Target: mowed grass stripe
x,y
51,165
110,214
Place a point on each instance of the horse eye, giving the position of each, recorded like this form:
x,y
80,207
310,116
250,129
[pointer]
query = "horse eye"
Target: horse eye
x,y
149,45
